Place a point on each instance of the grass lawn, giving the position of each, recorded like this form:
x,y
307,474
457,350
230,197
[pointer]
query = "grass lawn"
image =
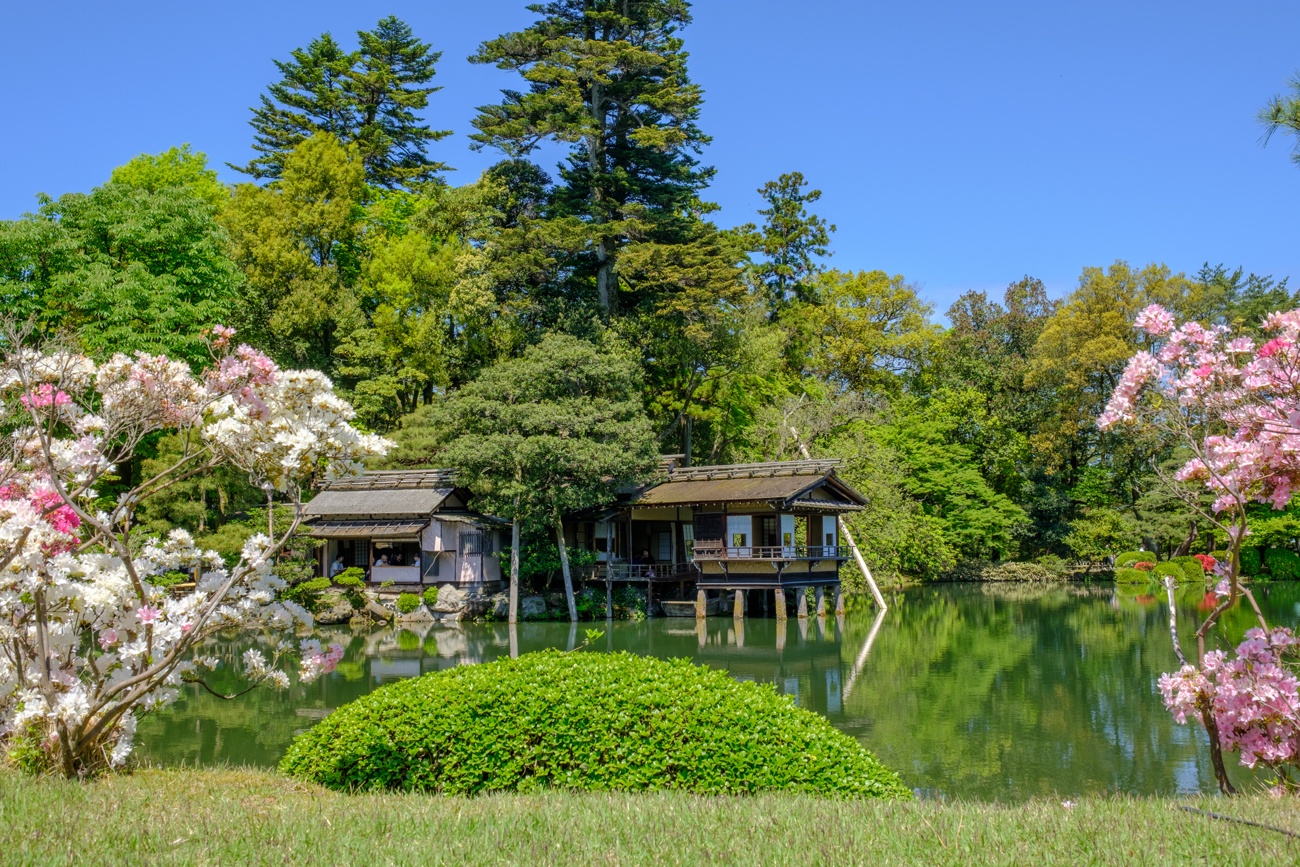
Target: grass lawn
x,y
252,816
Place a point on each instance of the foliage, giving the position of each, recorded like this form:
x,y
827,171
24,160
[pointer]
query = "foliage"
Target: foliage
x,y
91,641
1251,561
1125,575
1282,565
790,241
979,570
583,721
174,168
609,78
1128,558
1098,532
368,97
1168,569
124,268
430,597
408,602
542,436
306,593
353,576
1190,566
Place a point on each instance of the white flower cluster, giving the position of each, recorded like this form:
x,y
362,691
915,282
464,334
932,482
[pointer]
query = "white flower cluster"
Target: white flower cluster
x,y
90,642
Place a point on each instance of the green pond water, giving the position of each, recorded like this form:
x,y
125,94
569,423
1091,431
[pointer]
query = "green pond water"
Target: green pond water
x,y
987,692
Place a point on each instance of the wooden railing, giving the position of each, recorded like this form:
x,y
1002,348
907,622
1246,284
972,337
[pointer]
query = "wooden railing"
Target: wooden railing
x,y
650,571
719,551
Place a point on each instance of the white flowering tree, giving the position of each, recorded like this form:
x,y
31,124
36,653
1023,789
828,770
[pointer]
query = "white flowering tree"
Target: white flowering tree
x,y
87,642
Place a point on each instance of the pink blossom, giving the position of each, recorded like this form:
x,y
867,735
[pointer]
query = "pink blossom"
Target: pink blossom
x,y
1155,320
148,614
107,638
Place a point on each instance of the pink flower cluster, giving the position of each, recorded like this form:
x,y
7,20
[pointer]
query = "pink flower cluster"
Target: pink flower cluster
x,y
45,395
1253,697
1214,379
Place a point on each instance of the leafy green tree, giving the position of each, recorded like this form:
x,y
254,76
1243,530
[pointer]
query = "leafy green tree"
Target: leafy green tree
x,y
174,168
557,430
367,97
872,330
790,242
123,268
297,243
1100,533
609,77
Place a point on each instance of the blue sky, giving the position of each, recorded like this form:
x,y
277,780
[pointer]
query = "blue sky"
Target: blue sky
x,y
960,144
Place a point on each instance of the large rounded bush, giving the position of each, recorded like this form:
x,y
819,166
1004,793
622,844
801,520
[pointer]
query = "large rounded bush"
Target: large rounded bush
x,y
1126,575
1128,558
1250,562
592,721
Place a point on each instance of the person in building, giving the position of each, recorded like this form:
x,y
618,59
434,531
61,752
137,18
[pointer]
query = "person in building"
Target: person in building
x,y
337,567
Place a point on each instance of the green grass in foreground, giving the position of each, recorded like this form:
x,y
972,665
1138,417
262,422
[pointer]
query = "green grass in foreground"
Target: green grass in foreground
x,y
256,817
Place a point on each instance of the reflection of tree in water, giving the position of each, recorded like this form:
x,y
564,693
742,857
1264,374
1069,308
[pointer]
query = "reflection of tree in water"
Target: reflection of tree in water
x,y
991,692
984,691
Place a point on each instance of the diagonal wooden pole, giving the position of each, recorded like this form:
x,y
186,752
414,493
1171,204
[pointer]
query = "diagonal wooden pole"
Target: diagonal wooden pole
x,y
848,537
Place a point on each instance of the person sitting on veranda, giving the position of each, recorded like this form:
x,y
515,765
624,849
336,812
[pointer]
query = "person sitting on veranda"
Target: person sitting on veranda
x,y
382,561
645,558
337,566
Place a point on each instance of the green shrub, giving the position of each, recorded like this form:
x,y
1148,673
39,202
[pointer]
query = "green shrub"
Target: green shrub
x,y
408,602
431,597
1250,562
586,721
1282,565
1127,575
629,603
1164,570
307,593
1034,572
170,579
1128,558
1191,568
353,576
1219,555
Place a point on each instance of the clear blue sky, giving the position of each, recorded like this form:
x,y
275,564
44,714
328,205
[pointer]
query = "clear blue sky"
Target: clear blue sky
x,y
960,144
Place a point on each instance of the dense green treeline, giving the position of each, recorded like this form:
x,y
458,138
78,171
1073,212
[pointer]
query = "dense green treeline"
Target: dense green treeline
x,y
972,432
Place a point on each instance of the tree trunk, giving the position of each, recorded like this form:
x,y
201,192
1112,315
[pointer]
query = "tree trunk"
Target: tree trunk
x,y
1185,548
564,567
514,565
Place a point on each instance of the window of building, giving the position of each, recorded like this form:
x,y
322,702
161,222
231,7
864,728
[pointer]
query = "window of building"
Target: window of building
x,y
472,542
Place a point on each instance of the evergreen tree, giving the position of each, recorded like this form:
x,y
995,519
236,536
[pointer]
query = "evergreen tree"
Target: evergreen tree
x,y
387,86
608,76
790,241
367,97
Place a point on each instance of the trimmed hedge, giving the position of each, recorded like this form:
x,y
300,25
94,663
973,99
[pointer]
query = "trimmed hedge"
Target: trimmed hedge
x,y
1164,570
588,721
1128,558
407,602
1282,565
1191,567
1132,576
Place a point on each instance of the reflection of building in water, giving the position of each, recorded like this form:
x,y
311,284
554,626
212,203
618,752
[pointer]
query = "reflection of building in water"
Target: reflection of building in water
x,y
805,667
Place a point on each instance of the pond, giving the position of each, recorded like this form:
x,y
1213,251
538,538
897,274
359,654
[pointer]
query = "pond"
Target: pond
x,y
984,692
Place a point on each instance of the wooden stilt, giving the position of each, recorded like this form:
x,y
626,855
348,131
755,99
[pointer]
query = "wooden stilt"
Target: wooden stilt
x,y
649,598
802,593
778,597
819,596
781,625
701,604
839,601
738,607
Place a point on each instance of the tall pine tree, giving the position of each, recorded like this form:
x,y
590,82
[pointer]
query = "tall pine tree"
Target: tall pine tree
x,y
608,76
367,97
790,241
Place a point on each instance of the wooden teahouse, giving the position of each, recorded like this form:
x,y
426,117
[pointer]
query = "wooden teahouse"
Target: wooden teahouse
x,y
408,527
739,527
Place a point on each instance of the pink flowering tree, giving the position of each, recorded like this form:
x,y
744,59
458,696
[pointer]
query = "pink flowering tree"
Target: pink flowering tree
x,y
1235,405
88,643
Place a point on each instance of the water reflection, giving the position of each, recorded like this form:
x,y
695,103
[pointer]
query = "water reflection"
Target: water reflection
x,y
988,692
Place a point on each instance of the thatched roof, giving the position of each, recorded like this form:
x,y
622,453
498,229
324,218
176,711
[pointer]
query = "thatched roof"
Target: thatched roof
x,y
806,485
